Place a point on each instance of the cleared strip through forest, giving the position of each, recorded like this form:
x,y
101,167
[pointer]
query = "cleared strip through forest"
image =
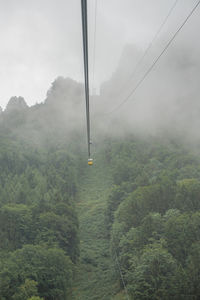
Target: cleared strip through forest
x,y
95,273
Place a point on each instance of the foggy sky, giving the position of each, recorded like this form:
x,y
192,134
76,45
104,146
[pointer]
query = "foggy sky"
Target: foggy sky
x,y
41,40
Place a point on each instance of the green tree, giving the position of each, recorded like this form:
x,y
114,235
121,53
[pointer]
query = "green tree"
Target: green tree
x,y
50,268
60,230
154,275
188,195
193,271
26,290
181,231
35,298
15,226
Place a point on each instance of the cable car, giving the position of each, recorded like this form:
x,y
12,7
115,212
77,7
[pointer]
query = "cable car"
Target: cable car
x,y
90,162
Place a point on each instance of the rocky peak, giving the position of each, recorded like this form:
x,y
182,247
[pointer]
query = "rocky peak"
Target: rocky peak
x,y
16,104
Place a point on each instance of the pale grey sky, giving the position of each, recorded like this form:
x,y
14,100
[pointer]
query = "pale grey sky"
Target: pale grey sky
x,y
42,39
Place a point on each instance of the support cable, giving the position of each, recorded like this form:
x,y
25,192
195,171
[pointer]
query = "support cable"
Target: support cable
x,y
155,61
86,74
121,275
94,49
153,40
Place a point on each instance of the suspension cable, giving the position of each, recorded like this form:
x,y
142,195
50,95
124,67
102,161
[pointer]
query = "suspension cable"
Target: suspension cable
x,y
121,275
152,42
86,73
156,60
94,49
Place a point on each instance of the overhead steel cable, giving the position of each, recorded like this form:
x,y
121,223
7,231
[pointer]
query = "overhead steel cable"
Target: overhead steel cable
x,y
94,49
86,73
163,23
153,40
156,60
121,275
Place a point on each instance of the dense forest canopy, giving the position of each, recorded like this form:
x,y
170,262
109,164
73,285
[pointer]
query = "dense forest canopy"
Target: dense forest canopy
x,y
38,222
151,214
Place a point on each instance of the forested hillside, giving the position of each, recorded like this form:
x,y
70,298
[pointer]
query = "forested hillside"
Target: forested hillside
x,y
38,223
153,218
39,235
130,225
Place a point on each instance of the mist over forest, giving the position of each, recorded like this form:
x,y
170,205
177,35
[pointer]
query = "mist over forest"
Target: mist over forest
x,y
164,104
128,226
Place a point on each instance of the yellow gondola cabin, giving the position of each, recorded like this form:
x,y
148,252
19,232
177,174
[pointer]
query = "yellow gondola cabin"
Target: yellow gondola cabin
x,y
90,161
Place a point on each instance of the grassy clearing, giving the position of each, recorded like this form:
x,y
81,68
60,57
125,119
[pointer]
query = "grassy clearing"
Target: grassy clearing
x,y
95,274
